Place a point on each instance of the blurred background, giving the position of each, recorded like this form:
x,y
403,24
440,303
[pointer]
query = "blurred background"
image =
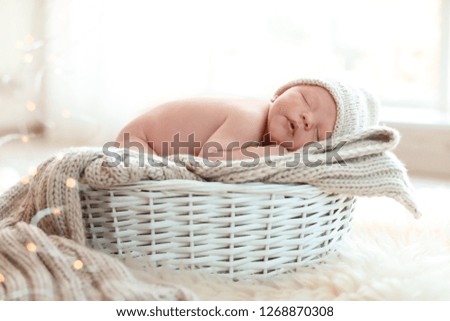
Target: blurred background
x,y
73,72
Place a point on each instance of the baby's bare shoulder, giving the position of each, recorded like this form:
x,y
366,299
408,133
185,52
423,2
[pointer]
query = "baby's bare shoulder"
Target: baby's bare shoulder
x,y
213,111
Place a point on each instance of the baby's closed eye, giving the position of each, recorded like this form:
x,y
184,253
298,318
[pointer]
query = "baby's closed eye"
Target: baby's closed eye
x,y
292,125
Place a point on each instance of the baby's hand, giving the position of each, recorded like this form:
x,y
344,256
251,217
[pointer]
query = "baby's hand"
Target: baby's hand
x,y
133,143
268,150
249,152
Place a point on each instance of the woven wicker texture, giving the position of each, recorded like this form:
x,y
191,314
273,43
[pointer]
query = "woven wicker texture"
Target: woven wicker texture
x,y
238,229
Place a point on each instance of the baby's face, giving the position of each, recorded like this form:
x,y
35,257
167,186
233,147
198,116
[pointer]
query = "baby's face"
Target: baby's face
x,y
300,115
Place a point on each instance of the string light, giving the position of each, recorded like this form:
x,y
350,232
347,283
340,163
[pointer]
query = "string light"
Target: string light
x,y
12,137
59,156
78,264
2,278
31,247
27,58
57,211
65,113
29,39
31,105
25,180
71,182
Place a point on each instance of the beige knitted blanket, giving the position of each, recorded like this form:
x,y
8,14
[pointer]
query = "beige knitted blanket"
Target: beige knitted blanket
x,y
45,257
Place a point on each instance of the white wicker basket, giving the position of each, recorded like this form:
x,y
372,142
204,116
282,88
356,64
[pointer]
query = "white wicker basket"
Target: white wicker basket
x,y
238,229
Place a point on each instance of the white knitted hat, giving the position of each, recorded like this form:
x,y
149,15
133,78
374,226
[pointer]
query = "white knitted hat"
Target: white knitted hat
x,y
356,108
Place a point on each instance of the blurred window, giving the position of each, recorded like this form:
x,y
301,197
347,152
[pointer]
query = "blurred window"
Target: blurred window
x,y
110,54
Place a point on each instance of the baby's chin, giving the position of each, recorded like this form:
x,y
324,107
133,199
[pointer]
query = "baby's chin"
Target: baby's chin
x,y
299,146
289,146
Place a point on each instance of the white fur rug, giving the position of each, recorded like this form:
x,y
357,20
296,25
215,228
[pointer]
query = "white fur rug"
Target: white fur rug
x,y
388,255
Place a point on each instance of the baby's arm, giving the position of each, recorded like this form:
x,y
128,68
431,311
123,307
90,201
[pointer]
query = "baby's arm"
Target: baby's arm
x,y
133,137
247,152
231,141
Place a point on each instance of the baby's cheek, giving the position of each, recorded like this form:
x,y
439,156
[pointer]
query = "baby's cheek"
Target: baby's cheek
x,y
285,138
278,130
277,133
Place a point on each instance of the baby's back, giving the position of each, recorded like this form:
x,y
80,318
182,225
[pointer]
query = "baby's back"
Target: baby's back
x,y
185,126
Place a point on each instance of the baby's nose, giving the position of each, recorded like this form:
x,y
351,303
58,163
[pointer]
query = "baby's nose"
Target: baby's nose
x,y
306,121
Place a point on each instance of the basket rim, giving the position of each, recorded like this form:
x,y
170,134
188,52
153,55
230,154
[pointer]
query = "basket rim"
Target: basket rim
x,y
208,186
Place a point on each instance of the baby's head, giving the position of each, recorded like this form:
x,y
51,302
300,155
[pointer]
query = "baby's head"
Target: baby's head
x,y
308,110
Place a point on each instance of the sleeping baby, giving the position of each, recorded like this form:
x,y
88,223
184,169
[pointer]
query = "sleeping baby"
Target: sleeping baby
x,y
300,112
